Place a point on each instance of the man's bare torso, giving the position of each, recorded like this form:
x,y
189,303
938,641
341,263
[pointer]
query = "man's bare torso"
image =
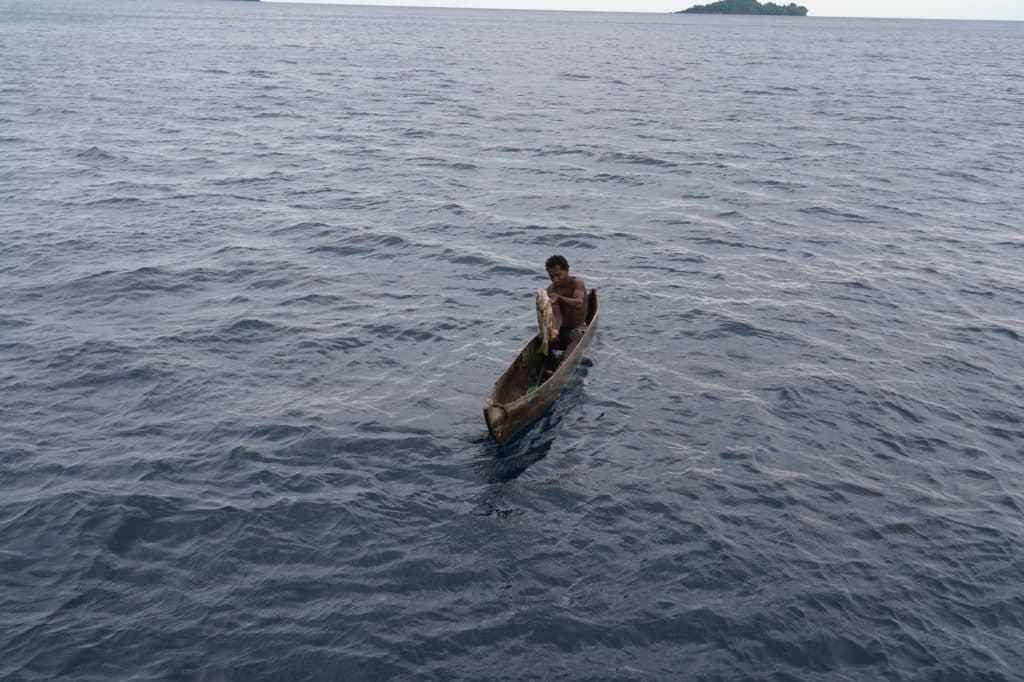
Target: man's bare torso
x,y
574,288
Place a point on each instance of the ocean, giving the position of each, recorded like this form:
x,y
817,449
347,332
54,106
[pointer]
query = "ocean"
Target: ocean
x,y
261,264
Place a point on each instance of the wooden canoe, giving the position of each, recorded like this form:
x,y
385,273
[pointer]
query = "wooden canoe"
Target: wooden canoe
x,y
510,408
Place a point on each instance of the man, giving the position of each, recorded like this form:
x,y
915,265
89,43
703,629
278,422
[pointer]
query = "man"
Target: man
x,y
568,297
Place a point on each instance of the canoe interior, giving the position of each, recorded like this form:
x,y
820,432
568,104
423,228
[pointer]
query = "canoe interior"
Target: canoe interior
x,y
525,369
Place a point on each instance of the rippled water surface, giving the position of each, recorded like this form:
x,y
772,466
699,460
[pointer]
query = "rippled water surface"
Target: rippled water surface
x,y
260,265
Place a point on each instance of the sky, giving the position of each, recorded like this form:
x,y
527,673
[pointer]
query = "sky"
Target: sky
x,y
911,9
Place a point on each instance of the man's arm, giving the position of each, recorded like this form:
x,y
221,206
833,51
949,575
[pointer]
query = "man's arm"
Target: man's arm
x,y
579,299
579,296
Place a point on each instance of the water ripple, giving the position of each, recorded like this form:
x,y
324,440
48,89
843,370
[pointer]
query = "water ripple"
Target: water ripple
x,y
261,263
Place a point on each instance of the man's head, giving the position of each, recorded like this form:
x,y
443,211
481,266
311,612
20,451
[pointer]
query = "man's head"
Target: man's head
x,y
558,270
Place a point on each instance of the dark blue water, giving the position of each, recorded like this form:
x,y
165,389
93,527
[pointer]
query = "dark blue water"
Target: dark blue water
x,y
260,265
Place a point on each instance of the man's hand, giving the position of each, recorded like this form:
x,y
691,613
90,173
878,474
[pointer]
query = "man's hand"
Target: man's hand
x,y
553,298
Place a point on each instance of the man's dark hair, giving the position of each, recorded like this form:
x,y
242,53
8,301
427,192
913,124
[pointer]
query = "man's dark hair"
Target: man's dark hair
x,y
557,262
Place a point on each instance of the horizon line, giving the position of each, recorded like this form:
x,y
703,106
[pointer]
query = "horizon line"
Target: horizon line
x,y
399,5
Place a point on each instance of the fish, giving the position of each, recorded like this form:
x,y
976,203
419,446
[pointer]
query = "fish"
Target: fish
x,y
545,320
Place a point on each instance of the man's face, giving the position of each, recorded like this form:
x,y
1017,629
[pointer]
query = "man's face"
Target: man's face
x,y
558,276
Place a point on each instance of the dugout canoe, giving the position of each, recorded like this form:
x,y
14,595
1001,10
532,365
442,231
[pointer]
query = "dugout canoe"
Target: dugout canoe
x,y
510,408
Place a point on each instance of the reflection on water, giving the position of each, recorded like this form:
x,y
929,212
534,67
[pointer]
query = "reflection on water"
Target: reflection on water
x,y
496,463
503,463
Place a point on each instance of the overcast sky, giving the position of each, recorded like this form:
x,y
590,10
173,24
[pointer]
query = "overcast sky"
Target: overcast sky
x,y
924,9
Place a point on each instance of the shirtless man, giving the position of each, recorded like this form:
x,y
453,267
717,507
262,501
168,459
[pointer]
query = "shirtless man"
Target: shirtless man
x,y
568,297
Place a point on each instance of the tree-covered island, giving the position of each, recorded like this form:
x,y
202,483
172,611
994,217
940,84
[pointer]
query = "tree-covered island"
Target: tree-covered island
x,y
747,7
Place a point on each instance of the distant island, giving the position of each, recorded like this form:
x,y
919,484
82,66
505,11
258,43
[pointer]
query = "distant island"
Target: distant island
x,y
747,7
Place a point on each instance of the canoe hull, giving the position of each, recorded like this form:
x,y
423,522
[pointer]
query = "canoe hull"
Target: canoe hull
x,y
510,408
